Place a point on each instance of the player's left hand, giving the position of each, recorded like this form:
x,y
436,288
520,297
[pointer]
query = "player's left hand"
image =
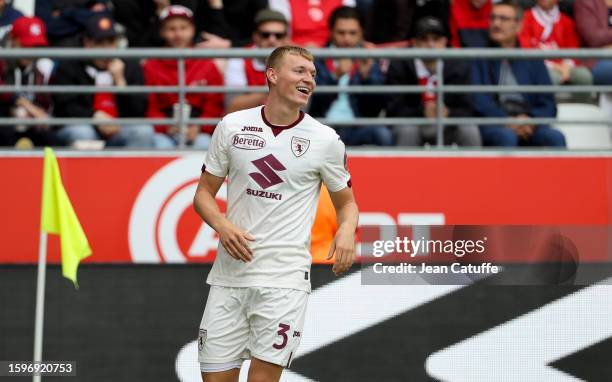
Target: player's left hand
x,y
343,246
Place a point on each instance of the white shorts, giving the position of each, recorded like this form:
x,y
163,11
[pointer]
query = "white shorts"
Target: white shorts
x,y
240,323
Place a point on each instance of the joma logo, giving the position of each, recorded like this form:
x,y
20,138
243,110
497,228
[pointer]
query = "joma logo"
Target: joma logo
x,y
252,128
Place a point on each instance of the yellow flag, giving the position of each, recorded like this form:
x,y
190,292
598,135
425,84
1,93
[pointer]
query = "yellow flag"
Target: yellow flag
x,y
58,217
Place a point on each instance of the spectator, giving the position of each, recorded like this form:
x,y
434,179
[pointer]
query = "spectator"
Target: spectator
x,y
309,19
270,32
390,21
27,32
141,31
545,27
594,25
430,34
439,9
7,133
469,23
66,20
224,24
347,32
565,6
8,15
503,32
100,33
178,31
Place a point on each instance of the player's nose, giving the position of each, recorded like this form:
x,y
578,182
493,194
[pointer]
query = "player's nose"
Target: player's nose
x,y
309,79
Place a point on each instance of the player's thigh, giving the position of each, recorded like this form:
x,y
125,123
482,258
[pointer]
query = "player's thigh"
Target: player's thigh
x,y
276,317
222,376
262,371
224,329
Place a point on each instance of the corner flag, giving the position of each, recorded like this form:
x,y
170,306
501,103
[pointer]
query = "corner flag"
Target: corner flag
x,y
58,217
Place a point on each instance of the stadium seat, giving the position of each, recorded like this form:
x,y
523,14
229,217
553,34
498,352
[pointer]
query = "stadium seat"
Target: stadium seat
x,y
591,136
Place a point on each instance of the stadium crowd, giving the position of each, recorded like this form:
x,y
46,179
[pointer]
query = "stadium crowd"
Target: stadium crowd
x,y
367,24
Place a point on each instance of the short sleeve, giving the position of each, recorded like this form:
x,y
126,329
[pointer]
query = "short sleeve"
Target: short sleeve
x,y
333,171
217,156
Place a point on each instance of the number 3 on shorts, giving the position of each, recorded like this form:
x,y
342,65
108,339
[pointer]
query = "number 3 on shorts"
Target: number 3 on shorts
x,y
282,331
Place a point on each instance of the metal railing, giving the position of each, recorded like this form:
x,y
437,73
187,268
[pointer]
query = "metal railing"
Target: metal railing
x,y
409,53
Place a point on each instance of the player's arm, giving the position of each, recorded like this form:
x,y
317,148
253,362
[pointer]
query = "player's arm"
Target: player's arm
x,y
343,244
233,239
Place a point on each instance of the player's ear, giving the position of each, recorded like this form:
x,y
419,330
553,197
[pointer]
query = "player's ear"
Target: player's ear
x,y
271,75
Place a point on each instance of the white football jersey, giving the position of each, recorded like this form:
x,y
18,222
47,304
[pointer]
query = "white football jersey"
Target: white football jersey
x,y
274,178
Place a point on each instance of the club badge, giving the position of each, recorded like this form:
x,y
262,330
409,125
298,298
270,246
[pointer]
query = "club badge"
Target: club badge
x,y
201,339
299,146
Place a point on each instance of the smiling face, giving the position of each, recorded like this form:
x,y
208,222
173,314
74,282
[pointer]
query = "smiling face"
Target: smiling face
x,y
292,79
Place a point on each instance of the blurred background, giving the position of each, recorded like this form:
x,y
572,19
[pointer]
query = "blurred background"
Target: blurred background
x,y
461,112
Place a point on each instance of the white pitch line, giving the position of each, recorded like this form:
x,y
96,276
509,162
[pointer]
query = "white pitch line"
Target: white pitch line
x,y
522,348
345,307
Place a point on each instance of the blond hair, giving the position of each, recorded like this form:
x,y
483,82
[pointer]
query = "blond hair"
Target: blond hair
x,y
277,55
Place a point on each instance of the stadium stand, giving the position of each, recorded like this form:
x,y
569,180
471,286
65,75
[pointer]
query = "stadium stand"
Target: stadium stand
x,y
66,22
346,30
595,135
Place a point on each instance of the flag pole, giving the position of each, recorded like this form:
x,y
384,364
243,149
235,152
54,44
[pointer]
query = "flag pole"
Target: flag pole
x,y
40,301
57,216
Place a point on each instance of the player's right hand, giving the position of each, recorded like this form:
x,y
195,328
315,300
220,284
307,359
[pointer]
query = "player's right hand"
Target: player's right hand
x,y
236,242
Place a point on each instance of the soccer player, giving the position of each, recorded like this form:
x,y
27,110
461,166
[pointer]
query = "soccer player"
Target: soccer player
x,y
275,157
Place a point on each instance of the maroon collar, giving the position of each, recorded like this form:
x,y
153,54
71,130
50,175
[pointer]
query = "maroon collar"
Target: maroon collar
x,y
277,129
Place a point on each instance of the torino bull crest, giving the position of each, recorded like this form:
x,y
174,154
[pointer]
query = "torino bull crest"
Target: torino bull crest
x,y
299,146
